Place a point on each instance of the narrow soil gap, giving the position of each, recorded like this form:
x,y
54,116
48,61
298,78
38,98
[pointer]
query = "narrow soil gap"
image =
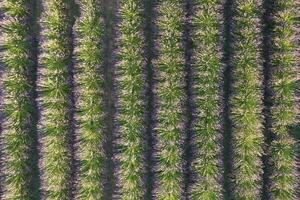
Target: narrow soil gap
x,y
148,13
109,98
74,12
187,146
35,182
267,99
228,186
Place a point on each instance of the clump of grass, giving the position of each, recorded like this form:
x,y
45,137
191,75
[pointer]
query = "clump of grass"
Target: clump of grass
x,y
246,100
55,101
130,111
18,109
89,30
284,77
207,69
170,66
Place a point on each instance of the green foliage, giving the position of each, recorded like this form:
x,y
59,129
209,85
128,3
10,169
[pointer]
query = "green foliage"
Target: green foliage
x,y
18,109
207,68
55,100
284,77
54,79
130,85
89,84
170,65
246,100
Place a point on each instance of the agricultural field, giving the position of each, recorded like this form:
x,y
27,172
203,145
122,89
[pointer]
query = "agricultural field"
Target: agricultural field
x,y
149,99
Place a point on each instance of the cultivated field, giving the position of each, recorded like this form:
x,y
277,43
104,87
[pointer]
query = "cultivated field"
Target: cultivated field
x,y
149,99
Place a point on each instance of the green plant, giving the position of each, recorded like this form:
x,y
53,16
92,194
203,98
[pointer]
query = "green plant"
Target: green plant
x,y
18,59
246,100
55,102
170,66
130,85
207,70
89,28
283,84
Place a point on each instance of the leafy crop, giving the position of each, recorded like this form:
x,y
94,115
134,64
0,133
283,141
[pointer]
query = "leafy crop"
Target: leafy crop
x,y
158,99
55,102
207,71
170,65
89,98
284,77
246,100
130,85
17,57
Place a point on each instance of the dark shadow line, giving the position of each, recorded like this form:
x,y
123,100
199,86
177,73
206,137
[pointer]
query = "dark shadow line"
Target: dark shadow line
x,y
148,31
188,106
109,98
35,182
267,98
72,135
228,185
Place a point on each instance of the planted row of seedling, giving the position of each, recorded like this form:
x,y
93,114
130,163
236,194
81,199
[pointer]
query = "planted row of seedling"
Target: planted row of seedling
x,y
18,126
130,103
284,63
89,98
246,100
54,85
